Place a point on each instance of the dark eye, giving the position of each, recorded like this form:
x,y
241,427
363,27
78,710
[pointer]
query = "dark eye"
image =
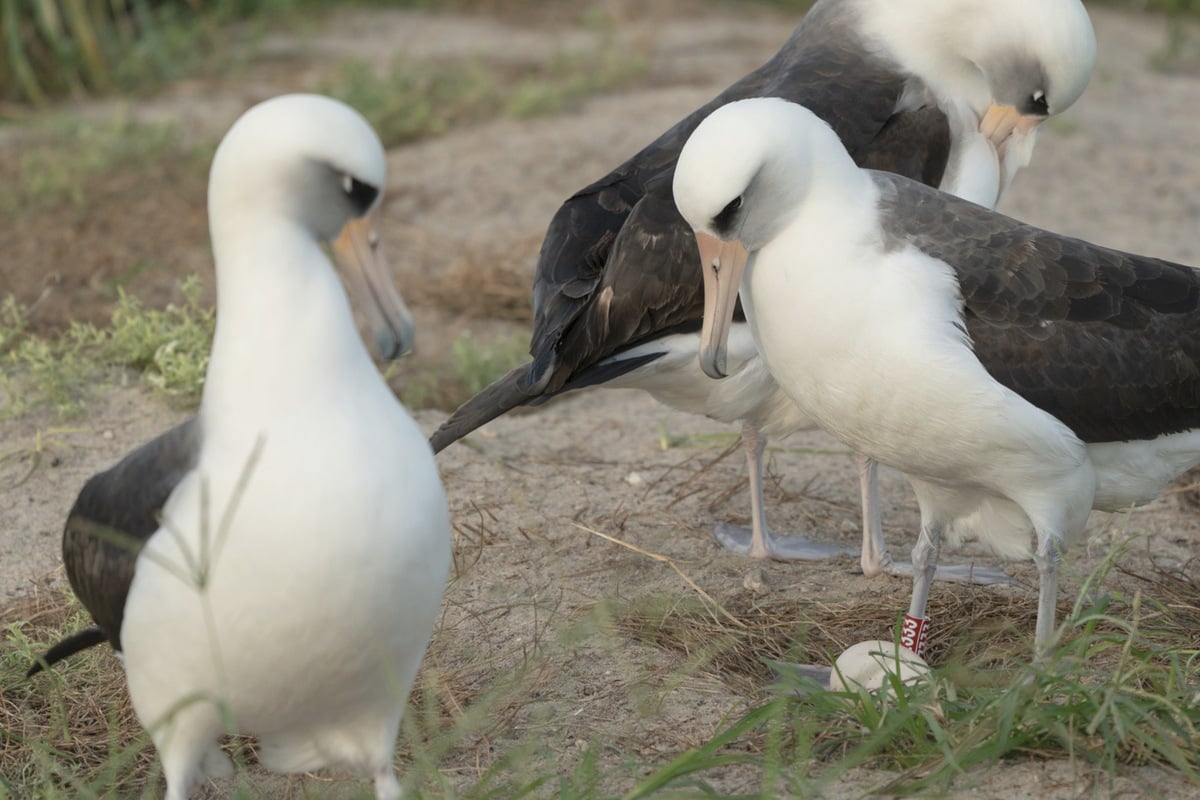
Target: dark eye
x,y
362,195
722,221
1038,103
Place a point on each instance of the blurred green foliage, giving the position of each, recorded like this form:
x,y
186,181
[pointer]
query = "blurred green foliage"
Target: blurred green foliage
x,y
1173,7
52,48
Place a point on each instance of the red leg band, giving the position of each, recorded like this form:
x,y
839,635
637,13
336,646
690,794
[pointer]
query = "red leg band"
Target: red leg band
x,y
914,634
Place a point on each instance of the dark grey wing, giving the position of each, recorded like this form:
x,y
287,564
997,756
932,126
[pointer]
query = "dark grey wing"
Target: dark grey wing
x,y
671,297
114,515
618,265
823,66
631,303
915,144
1106,341
572,260
498,397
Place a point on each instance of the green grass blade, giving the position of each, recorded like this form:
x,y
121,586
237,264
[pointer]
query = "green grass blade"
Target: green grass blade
x,y
18,59
705,757
83,30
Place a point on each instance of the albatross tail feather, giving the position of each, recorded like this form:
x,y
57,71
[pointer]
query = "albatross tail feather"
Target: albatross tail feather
x,y
500,397
512,391
88,637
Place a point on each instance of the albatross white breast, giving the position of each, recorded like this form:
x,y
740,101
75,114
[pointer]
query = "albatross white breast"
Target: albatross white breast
x,y
944,339
275,565
948,92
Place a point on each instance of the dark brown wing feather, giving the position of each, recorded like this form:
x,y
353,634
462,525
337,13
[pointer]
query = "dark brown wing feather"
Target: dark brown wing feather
x,y
114,515
1106,341
822,66
619,266
498,397
915,144
666,297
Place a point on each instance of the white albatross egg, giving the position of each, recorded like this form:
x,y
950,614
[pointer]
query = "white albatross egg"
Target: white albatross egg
x,y
868,664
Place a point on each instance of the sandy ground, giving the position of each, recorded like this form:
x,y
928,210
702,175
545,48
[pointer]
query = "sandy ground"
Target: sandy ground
x,y
1121,169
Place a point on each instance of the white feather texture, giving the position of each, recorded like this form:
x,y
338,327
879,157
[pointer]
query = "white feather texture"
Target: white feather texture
x,y
867,336
960,56
868,340
961,49
294,584
749,394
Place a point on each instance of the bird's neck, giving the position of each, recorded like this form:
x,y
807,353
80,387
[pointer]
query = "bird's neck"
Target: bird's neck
x,y
284,326
837,192
925,39
837,218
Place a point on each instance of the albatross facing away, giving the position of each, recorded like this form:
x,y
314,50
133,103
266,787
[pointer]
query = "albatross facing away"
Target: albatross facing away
x,y
948,92
1018,378
274,566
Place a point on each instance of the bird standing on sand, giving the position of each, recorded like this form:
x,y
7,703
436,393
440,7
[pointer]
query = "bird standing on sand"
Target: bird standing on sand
x,y
275,565
1018,378
947,92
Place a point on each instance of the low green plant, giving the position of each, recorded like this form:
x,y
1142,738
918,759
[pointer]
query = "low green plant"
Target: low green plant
x,y
52,48
69,155
474,364
1173,7
169,350
57,47
169,347
480,362
415,100
13,324
1120,689
572,76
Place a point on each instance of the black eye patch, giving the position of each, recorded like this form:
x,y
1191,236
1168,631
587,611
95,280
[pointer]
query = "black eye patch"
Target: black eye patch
x,y
723,222
362,195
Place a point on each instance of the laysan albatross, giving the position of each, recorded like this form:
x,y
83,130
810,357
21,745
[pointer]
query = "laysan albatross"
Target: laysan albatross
x,y
1018,378
275,565
948,92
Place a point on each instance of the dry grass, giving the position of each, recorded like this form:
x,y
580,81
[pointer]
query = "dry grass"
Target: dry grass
x,y
1177,589
973,625
1187,486
78,713
76,724
1118,689
485,281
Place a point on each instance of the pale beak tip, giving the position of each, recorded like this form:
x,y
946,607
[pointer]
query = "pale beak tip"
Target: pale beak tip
x,y
713,364
392,344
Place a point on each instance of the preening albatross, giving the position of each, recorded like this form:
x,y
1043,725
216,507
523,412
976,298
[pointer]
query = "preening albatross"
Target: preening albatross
x,y
948,92
274,566
1018,378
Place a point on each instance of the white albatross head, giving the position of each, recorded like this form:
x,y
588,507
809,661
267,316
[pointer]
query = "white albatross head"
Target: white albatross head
x,y
1012,62
315,164
739,180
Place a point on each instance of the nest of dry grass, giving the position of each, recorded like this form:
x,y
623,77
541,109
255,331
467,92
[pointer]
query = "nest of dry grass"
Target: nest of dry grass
x,y
79,715
972,625
1176,590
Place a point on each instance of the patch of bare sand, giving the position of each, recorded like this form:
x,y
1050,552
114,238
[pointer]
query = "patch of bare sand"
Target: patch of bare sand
x,y
45,464
1119,169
